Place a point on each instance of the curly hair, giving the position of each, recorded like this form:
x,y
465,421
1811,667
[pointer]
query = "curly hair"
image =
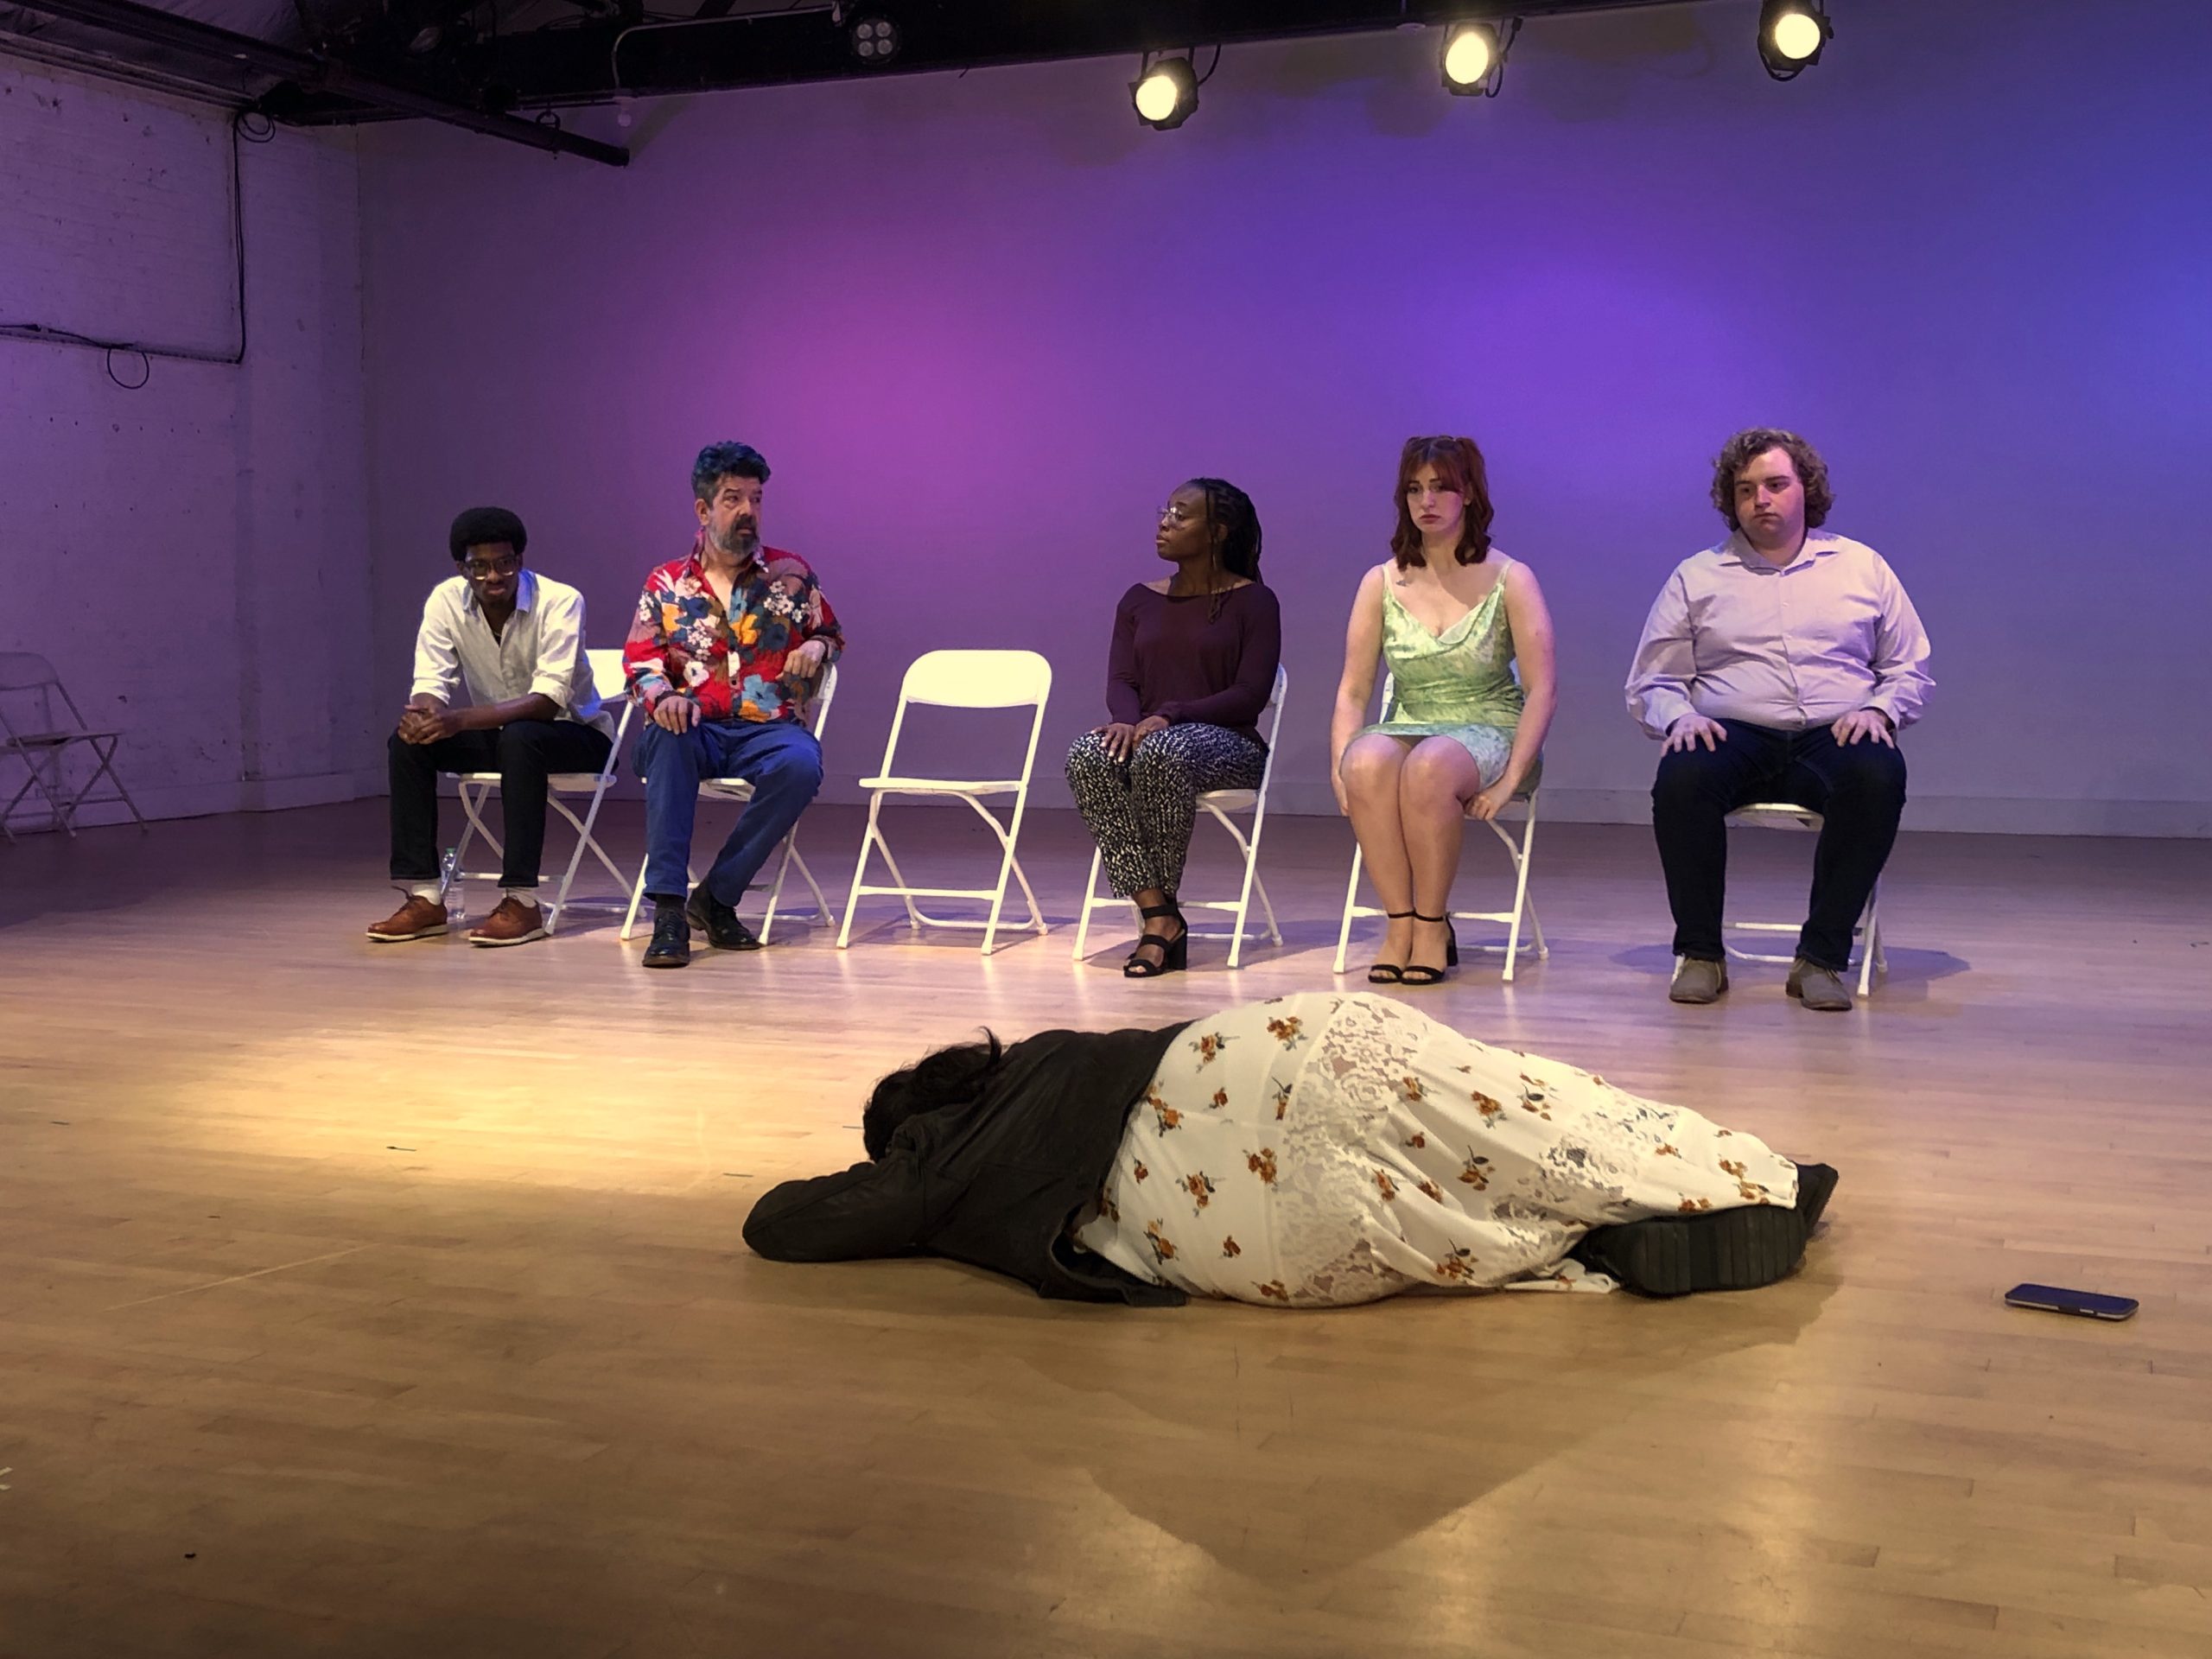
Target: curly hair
x,y
1747,446
480,526
720,461
950,1077
1459,467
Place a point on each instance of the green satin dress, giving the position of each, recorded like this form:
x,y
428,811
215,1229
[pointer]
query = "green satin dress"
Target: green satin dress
x,y
1459,683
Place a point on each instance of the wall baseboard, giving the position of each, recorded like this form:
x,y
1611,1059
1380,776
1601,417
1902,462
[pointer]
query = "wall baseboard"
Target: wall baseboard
x,y
238,795
1956,814
1953,814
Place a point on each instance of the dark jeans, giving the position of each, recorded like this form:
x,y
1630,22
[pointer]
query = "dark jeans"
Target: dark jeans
x,y
1858,789
523,751
779,759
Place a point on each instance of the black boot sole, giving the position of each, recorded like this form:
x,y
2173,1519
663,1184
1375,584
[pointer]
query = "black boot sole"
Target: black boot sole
x,y
1681,1256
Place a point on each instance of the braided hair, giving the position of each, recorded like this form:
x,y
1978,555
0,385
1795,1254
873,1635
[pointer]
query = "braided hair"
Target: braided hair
x,y
1230,509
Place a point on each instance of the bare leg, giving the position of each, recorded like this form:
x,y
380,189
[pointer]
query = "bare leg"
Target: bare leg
x,y
1370,770
1438,780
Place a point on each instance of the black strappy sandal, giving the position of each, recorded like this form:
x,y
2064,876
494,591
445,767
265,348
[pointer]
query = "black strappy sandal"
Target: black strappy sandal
x,y
1174,954
1417,973
1389,973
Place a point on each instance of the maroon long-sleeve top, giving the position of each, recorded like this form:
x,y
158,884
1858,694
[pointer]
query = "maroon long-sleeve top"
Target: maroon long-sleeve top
x,y
1179,658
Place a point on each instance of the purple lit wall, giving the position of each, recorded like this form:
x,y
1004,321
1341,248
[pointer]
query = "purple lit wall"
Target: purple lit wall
x,y
981,325
193,553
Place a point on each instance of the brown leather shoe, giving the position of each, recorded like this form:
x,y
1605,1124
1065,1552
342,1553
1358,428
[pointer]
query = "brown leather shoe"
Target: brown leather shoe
x,y
515,922
418,919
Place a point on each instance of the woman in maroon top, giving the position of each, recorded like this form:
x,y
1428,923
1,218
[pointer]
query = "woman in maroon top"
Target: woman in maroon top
x,y
1192,666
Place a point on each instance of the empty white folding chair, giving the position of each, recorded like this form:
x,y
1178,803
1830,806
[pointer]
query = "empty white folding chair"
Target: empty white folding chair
x,y
957,679
478,788
1782,815
816,716
39,726
1226,805
1519,848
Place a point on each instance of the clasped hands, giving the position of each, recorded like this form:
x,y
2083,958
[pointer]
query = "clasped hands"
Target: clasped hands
x,y
421,722
1120,739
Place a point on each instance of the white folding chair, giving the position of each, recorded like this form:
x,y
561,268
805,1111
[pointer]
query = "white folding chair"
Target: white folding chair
x,y
477,789
816,716
1783,815
1520,849
42,729
1226,805
958,679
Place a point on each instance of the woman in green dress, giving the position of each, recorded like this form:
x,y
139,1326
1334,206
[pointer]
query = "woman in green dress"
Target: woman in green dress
x,y
1452,616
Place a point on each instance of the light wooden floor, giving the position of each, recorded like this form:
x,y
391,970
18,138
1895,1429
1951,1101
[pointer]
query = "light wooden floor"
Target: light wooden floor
x,y
390,1300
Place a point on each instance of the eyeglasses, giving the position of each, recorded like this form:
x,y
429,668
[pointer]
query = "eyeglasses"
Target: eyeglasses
x,y
1174,513
506,565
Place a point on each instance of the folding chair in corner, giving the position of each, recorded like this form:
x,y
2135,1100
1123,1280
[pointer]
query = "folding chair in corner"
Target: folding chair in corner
x,y
39,725
957,679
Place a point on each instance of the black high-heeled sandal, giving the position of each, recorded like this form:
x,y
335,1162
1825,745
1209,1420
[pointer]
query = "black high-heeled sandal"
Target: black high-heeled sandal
x,y
1174,954
1389,973
1427,975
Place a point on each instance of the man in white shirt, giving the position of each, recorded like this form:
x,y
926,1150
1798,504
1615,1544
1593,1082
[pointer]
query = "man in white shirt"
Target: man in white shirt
x,y
1778,666
517,638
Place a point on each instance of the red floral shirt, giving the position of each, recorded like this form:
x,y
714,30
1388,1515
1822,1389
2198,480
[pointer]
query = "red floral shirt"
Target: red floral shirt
x,y
683,642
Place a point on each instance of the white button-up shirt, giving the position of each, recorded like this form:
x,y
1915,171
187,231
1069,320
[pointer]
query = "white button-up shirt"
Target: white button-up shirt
x,y
1734,636
541,650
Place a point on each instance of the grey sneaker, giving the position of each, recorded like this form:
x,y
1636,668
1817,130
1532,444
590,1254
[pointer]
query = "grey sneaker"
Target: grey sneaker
x,y
1697,980
1818,987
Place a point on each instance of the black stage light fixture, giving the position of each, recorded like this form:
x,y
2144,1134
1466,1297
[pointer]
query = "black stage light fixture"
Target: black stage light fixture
x,y
1164,92
1792,36
876,40
1473,58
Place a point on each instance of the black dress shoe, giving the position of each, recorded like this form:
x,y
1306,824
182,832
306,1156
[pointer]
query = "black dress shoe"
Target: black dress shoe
x,y
672,945
709,916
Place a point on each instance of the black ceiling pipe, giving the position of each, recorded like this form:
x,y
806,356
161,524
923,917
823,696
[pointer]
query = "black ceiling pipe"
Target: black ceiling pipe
x,y
204,40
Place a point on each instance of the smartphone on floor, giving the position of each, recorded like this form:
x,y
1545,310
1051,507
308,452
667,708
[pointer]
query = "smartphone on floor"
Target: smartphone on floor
x,y
2085,1304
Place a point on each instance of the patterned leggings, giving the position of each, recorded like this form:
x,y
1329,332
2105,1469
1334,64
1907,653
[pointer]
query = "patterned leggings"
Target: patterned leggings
x,y
1140,811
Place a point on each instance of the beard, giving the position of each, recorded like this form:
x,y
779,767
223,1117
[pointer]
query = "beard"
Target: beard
x,y
738,541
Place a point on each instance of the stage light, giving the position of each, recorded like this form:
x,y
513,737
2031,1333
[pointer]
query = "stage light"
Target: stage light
x,y
1792,34
875,40
1473,61
1165,93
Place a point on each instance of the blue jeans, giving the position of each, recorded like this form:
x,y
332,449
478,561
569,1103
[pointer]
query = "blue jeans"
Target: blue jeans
x,y
779,759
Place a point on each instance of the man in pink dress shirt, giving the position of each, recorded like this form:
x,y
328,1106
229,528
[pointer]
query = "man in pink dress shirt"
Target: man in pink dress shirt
x,y
1778,666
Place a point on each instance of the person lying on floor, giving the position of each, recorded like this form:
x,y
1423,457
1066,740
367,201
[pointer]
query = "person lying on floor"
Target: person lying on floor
x,y
1312,1151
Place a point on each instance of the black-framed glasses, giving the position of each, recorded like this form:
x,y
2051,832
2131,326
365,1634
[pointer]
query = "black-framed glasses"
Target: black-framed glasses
x,y
506,565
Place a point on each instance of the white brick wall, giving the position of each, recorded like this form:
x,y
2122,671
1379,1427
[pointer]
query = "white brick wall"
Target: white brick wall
x,y
190,555
114,209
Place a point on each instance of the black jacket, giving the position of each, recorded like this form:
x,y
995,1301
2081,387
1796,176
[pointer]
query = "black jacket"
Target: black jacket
x,y
993,1182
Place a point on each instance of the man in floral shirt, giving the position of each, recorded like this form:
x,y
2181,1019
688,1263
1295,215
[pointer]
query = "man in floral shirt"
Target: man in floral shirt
x,y
727,644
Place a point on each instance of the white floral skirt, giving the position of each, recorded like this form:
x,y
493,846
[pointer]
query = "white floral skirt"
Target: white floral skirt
x,y
1326,1148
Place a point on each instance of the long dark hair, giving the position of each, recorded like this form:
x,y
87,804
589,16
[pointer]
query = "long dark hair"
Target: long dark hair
x,y
950,1077
1232,509
1459,467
